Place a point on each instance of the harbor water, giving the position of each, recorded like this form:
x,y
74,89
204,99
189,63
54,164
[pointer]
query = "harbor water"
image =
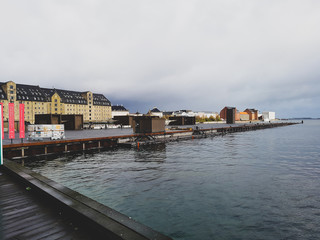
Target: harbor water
x,y
261,184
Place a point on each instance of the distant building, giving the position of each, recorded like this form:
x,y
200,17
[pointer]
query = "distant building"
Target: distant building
x,y
185,113
223,113
253,113
155,112
93,106
268,116
168,113
206,114
119,110
244,116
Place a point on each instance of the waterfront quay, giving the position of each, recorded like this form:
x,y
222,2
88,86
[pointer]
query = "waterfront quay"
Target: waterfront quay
x,y
82,140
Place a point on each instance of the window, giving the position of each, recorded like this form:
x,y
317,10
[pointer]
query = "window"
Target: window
x,y
55,100
11,92
11,87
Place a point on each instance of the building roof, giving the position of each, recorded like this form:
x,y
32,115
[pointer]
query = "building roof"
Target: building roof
x,y
68,97
101,100
251,110
168,113
119,108
36,93
30,93
154,110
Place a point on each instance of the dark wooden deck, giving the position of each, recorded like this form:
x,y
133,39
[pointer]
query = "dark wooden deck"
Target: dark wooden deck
x,y
35,207
23,216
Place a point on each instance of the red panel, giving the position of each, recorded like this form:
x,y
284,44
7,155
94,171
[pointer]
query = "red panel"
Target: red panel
x,y
11,120
1,105
21,121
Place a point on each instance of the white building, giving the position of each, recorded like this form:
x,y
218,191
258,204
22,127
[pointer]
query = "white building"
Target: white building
x,y
206,114
185,113
268,116
119,110
155,112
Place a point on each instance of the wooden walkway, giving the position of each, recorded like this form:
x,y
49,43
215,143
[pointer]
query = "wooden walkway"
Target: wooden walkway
x,y
35,207
22,216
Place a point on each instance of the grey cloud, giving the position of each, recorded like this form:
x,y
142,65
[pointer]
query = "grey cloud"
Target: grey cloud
x,y
175,54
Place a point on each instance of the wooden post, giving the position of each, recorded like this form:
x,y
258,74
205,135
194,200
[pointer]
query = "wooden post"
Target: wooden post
x,y
66,148
83,146
45,150
22,152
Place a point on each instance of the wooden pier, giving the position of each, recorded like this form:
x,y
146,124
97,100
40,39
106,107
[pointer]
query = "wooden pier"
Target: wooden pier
x,y
34,207
24,216
23,150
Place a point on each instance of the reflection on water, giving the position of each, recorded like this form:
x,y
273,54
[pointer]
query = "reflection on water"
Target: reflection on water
x,y
251,185
151,153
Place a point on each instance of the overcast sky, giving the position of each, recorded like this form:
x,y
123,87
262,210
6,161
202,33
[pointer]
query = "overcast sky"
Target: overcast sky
x,y
199,55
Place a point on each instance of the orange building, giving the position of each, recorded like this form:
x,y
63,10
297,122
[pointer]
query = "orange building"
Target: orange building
x,y
244,116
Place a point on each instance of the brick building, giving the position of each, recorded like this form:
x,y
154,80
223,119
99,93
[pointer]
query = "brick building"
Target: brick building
x,y
223,113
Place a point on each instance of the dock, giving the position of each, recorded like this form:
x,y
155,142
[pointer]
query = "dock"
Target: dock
x,y
35,207
31,149
24,216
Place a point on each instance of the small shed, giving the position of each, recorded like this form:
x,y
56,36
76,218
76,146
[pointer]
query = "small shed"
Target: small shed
x,y
182,120
124,120
148,124
70,121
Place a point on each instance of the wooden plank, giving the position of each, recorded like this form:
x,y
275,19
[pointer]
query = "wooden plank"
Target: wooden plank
x,y
24,217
